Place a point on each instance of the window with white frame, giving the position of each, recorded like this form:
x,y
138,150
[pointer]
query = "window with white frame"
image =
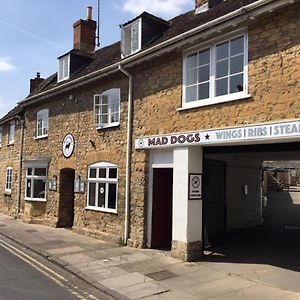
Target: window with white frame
x,y
11,133
0,136
216,73
9,179
102,187
107,108
63,68
36,183
42,123
131,39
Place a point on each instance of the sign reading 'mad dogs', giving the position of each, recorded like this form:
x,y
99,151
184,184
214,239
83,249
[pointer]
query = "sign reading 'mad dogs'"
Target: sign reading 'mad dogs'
x,y
244,135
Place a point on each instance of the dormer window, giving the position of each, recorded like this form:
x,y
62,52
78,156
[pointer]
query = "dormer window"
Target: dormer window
x,y
63,68
140,32
131,38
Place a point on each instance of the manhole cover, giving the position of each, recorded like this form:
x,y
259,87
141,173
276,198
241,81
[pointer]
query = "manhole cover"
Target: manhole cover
x,y
162,275
31,230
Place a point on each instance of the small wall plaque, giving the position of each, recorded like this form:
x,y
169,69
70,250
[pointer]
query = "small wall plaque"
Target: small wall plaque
x,y
195,186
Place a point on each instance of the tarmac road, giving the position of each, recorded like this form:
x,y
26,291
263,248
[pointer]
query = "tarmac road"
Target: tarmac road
x,y
26,275
20,280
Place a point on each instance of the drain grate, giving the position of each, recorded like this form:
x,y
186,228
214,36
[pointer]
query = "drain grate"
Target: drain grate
x,y
2,225
31,230
162,275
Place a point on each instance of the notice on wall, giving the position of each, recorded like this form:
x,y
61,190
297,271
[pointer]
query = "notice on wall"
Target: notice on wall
x,y
195,186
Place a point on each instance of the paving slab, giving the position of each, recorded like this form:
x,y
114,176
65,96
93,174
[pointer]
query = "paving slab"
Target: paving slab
x,y
124,281
66,250
142,290
104,273
259,292
172,295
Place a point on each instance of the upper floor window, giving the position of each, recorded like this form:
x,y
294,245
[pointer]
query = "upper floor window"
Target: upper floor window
x,y
36,183
131,39
0,136
216,73
63,68
9,176
107,108
11,133
102,187
42,123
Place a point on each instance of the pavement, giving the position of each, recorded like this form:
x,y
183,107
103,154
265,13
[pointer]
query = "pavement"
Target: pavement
x,y
129,273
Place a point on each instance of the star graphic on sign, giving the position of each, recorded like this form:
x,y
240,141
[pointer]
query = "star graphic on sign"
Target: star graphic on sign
x,y
207,137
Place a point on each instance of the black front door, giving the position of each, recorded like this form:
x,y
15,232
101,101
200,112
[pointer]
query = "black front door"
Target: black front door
x,y
162,208
214,202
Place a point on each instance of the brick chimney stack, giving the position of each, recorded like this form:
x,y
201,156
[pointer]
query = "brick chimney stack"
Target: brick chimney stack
x,y
35,82
85,33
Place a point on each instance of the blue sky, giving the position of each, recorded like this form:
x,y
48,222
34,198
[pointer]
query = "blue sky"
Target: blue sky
x,y
35,32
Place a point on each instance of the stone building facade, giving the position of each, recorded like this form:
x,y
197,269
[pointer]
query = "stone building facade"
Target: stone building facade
x,y
176,116
11,148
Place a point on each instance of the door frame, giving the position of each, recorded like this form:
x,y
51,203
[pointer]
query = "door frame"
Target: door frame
x,y
152,165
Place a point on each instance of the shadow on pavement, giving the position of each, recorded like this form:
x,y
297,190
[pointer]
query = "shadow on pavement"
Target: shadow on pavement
x,y
276,242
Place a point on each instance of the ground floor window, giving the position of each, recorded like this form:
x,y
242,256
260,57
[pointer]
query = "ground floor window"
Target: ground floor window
x,y
36,183
102,187
9,175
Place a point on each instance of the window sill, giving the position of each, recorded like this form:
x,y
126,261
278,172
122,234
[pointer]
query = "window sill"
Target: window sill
x,y
112,211
7,192
208,102
11,143
99,127
41,137
35,199
63,79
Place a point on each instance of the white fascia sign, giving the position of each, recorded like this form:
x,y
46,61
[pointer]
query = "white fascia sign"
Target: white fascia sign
x,y
266,133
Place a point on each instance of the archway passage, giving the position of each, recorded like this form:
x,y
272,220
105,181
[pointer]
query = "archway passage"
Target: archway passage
x,y
262,211
66,198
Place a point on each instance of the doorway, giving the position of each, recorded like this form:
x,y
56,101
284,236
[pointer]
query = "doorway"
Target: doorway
x,y
162,208
66,198
214,202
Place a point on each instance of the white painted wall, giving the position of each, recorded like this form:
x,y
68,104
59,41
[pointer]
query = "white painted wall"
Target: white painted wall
x,y
187,214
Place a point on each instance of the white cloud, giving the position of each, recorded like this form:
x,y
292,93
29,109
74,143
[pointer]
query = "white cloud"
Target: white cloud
x,y
5,65
163,8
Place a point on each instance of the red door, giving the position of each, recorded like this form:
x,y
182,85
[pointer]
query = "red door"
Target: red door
x,y
162,208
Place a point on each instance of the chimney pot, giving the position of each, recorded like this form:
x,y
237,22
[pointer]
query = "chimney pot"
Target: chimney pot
x,y
89,13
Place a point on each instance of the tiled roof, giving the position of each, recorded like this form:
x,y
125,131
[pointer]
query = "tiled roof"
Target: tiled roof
x,y
111,54
11,114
